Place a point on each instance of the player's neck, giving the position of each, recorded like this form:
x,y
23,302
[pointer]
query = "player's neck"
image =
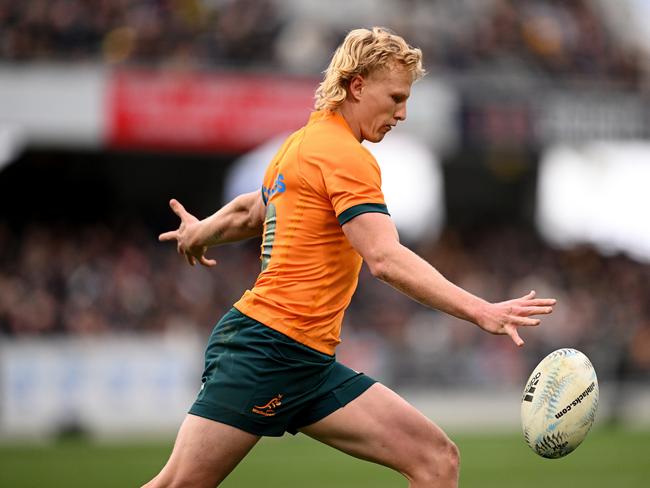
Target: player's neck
x,y
349,114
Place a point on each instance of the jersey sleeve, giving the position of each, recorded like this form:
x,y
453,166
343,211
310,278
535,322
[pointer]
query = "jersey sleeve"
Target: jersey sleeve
x,y
353,185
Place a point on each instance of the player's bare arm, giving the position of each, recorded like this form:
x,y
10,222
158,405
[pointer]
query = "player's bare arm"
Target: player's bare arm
x,y
375,237
240,219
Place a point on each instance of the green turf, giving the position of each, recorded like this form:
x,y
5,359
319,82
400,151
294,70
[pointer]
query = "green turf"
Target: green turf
x,y
608,458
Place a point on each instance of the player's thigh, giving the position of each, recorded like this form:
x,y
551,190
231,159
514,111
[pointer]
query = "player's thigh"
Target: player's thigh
x,y
204,453
382,427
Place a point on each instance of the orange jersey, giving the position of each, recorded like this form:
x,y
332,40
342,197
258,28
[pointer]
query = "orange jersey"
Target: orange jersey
x,y
320,178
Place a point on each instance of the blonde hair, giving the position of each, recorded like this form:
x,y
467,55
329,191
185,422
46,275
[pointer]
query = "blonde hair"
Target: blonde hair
x,y
362,52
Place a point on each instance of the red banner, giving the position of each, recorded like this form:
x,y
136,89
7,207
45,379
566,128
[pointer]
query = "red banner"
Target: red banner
x,y
204,111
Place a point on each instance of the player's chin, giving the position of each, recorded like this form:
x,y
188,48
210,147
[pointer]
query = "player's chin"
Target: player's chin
x,y
378,137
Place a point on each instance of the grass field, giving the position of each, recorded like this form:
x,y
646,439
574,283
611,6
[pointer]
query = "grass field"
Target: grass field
x,y
607,459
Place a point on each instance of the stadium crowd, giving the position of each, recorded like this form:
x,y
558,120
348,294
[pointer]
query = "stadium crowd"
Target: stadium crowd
x,y
96,280
543,38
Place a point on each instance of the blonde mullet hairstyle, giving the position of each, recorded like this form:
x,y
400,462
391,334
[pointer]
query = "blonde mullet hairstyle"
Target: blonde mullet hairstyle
x,y
362,52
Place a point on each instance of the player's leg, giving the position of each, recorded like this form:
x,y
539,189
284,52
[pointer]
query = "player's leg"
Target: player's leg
x,y
205,453
382,427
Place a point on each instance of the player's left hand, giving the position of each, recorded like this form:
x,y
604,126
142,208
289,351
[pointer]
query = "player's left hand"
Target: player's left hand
x,y
187,237
505,318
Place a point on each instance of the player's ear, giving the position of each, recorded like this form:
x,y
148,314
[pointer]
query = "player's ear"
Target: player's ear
x,y
356,87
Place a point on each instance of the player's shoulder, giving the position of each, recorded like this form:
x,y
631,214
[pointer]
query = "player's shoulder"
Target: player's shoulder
x,y
328,140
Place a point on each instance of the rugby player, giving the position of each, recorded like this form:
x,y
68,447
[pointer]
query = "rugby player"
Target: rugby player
x,y
270,364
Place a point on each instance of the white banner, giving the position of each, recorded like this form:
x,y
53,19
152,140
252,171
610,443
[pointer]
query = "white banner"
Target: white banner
x,y
103,385
54,105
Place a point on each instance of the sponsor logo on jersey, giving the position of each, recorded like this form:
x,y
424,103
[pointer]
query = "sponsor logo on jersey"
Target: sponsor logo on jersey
x,y
279,186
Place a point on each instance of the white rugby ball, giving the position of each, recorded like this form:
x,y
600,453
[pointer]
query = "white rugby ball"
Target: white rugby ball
x,y
559,403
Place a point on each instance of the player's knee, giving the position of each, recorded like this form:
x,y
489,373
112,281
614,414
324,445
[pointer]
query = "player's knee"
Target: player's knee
x,y
453,456
440,461
447,460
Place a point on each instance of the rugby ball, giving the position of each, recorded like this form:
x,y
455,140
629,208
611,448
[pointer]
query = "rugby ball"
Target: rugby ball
x,y
559,403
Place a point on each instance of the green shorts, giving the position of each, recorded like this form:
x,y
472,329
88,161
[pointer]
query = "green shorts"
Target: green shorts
x,y
265,383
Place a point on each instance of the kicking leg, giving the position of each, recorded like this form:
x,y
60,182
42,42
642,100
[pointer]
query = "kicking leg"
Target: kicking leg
x,y
382,427
205,453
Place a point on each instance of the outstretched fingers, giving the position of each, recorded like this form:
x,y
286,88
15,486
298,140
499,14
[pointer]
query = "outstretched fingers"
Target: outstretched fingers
x,y
192,254
521,313
529,305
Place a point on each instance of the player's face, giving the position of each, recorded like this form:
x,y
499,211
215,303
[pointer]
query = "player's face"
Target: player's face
x,y
383,101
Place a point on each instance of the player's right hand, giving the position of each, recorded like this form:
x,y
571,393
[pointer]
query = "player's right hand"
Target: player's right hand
x,y
187,236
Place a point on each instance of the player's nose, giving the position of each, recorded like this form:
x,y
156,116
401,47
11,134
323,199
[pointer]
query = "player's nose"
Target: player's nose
x,y
400,113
